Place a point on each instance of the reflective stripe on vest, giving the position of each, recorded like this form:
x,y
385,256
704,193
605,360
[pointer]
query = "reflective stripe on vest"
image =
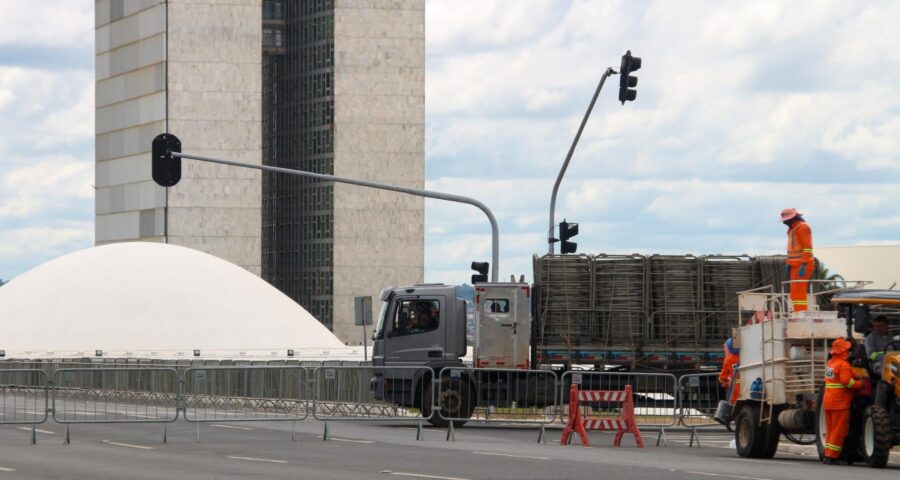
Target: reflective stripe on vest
x,y
838,385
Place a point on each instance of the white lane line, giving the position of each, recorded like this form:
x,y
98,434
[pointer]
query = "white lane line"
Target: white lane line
x,y
336,439
766,461
258,459
235,427
4,469
710,474
508,455
420,475
38,430
129,445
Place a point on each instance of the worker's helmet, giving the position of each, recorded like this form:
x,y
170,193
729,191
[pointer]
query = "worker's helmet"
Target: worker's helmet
x,y
840,346
788,213
729,345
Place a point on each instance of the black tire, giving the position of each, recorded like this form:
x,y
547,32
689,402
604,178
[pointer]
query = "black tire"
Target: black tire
x,y
877,436
456,401
751,439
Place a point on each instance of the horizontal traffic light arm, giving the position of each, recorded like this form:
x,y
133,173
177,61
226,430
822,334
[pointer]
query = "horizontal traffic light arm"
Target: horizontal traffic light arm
x,y
495,230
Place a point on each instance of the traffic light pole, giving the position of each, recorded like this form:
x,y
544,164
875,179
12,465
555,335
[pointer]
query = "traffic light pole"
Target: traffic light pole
x,y
495,230
565,165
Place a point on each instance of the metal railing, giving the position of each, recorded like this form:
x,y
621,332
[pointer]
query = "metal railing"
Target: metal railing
x,y
497,395
245,393
373,393
23,396
115,395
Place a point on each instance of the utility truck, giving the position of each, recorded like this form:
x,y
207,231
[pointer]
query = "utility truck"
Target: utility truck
x,y
782,370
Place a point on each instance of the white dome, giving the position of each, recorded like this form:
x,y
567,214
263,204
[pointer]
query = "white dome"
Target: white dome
x,y
150,297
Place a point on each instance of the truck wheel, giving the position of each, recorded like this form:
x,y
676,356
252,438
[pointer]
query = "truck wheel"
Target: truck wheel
x,y
749,436
452,402
877,436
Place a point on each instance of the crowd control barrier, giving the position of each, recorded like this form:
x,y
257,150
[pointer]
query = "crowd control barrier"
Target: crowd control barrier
x,y
655,396
698,397
23,397
370,393
579,420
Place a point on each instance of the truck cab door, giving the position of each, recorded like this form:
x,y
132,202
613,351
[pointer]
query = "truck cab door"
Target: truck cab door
x,y
415,332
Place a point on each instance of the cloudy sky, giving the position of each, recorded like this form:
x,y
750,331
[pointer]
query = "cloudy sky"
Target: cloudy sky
x,y
743,108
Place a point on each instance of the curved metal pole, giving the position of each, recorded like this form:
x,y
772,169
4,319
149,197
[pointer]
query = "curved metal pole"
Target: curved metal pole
x,y
495,230
565,165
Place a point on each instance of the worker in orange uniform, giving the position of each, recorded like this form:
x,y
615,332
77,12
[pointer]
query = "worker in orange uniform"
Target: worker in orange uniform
x,y
728,376
839,387
800,258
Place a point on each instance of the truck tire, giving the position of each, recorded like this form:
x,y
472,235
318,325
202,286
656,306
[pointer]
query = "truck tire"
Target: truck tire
x,y
877,436
751,439
454,402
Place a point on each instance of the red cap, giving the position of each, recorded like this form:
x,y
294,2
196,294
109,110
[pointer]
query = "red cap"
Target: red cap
x,y
840,346
789,213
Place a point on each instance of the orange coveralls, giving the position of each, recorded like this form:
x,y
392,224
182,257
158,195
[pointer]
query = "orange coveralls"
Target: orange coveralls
x,y
728,376
839,386
801,262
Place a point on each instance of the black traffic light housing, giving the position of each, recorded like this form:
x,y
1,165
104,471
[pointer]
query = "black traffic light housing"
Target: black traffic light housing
x,y
166,167
626,81
482,269
566,231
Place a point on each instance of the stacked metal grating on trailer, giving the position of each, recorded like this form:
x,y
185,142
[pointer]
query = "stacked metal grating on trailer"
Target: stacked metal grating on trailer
x,y
657,312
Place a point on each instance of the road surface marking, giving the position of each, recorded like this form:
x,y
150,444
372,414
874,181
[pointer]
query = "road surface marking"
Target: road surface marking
x,y
766,461
129,445
4,469
38,430
508,455
258,459
420,475
235,427
710,474
336,439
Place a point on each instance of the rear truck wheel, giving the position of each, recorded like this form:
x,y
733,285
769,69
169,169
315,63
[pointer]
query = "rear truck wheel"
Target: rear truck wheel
x,y
877,436
454,400
752,439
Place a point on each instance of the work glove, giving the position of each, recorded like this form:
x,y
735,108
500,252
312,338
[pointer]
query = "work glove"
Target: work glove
x,y
802,271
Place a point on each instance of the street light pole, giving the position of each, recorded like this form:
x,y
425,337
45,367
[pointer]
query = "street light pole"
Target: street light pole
x,y
565,165
495,230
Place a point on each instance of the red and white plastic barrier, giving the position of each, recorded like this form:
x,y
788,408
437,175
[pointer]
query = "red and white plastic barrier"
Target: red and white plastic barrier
x,y
580,425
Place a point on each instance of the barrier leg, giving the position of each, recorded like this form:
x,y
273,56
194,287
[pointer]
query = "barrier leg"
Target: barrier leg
x,y
294,431
420,434
541,439
68,441
165,432
325,432
33,435
451,434
662,436
694,436
198,432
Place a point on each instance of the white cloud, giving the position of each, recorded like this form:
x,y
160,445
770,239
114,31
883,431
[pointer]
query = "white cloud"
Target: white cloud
x,y
47,22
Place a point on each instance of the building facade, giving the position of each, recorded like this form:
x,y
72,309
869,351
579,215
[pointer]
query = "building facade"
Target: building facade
x,y
343,94
193,69
329,86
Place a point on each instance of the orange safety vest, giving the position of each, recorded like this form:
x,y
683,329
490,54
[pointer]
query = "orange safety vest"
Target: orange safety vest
x,y
799,247
839,384
728,368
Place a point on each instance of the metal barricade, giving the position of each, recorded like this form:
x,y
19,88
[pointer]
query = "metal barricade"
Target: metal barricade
x,y
245,393
698,398
655,397
115,395
496,395
23,396
370,393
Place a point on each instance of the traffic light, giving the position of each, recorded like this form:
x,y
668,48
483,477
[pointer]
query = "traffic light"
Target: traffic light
x,y
567,231
626,81
482,269
166,167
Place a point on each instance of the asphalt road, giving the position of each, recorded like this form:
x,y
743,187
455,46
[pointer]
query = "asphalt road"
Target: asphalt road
x,y
377,451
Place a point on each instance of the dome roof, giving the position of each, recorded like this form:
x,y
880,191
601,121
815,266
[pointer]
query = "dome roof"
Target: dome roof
x,y
140,296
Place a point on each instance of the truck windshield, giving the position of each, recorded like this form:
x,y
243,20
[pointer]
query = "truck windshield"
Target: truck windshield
x,y
379,329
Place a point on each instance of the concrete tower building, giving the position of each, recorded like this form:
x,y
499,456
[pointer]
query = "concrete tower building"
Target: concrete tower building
x,y
331,86
343,94
191,68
